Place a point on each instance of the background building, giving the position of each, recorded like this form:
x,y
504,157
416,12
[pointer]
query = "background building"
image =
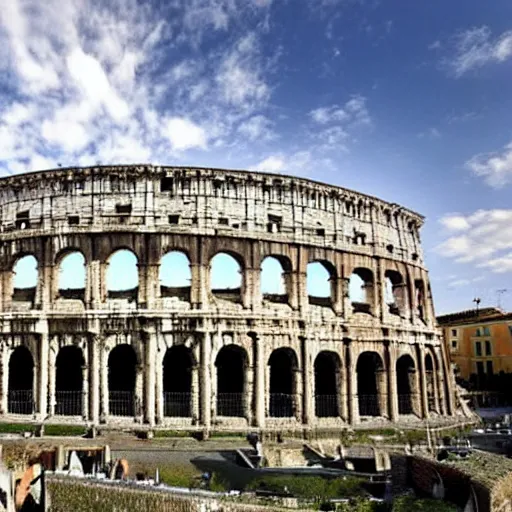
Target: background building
x,y
479,343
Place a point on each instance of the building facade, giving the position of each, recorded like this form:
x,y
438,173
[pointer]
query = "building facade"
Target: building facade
x,y
479,342
208,357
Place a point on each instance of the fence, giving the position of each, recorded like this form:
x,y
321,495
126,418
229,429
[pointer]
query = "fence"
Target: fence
x,y
369,405
282,405
20,401
68,403
177,405
230,404
121,403
405,401
326,406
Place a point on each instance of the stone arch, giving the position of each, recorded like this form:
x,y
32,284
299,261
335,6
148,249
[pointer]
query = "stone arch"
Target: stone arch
x,y
20,399
284,366
175,275
122,275
371,384
361,290
275,278
231,366
122,375
327,384
226,278
25,278
69,381
420,299
320,282
72,275
406,384
395,292
178,364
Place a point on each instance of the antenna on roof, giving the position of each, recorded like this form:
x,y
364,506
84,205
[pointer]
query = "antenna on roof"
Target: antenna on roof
x,y
477,302
500,293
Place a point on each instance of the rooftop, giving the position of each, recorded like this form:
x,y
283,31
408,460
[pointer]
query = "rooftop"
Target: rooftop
x,y
474,315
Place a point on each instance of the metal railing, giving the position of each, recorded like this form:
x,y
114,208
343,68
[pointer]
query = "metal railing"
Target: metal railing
x,y
369,405
282,405
230,404
68,403
121,403
20,401
327,406
405,403
177,404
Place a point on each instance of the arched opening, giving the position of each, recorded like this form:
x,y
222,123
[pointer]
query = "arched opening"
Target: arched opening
x,y
231,365
69,381
361,290
72,276
370,383
319,283
20,398
273,279
283,367
327,384
431,384
122,276
226,277
177,374
394,292
122,371
25,279
405,377
419,290
175,276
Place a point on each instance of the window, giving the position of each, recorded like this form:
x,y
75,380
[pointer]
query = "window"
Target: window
x,y
478,333
73,220
454,344
166,184
454,332
480,368
223,221
22,220
487,348
478,348
274,223
487,331
320,232
174,219
490,369
123,209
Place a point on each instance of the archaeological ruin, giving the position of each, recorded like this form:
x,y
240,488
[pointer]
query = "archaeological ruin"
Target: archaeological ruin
x,y
320,314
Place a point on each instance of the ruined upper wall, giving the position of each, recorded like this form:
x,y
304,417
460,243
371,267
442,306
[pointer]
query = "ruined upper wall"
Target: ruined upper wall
x,y
198,200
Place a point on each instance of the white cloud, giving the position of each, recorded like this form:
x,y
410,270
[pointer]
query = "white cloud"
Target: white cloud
x,y
184,134
274,163
324,115
495,168
499,265
257,128
480,238
354,111
70,136
475,48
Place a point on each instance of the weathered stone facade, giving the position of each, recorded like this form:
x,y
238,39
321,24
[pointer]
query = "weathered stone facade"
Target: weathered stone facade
x,y
387,360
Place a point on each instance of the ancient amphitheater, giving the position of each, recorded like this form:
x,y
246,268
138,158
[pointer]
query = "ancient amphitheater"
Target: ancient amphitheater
x,y
210,358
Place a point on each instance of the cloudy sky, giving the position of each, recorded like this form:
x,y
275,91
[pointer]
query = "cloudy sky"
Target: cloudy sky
x,y
409,101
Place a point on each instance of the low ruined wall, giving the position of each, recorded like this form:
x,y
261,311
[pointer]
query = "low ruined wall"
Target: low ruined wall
x,y
83,496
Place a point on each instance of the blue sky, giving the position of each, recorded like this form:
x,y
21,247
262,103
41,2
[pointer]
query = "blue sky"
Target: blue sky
x,y
408,101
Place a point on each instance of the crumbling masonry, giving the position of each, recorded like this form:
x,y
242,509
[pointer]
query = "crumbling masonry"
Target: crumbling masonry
x,y
196,357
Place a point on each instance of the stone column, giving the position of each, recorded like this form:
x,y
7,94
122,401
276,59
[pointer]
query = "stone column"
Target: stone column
x,y
259,382
85,392
143,282
4,402
446,393
51,383
392,383
94,292
379,301
43,375
302,292
308,380
159,398
139,402
150,379
250,281
351,379
94,380
152,285
195,399
206,388
423,382
104,385
339,296
43,298
382,389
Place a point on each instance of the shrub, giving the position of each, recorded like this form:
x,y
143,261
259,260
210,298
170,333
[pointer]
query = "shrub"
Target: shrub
x,y
64,430
408,503
16,428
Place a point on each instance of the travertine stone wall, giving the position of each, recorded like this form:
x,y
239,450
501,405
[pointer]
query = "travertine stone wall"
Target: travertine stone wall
x,y
152,210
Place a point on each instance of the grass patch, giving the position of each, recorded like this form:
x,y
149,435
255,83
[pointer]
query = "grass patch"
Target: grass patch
x,y
16,428
180,476
228,435
64,430
408,503
171,433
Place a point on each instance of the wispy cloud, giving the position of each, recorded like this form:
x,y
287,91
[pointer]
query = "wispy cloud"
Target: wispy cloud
x,y
476,47
494,168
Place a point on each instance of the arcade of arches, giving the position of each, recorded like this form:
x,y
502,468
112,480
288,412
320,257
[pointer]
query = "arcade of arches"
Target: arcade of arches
x,y
211,377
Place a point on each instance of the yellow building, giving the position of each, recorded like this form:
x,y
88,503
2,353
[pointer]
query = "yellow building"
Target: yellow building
x,y
479,342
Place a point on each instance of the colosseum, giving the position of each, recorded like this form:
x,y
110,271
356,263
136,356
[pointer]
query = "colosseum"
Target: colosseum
x,y
176,349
